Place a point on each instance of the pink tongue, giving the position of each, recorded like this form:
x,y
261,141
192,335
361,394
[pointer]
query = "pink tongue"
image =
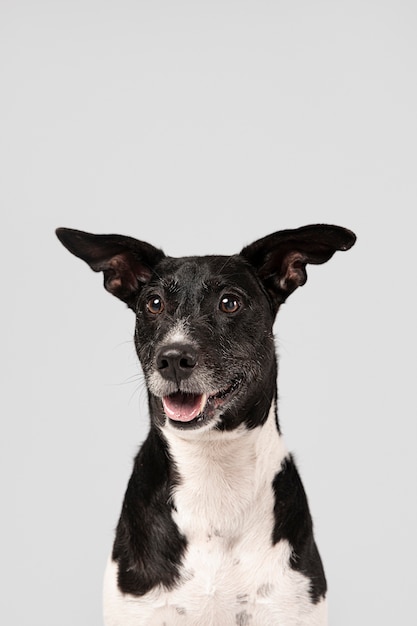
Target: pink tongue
x,y
183,407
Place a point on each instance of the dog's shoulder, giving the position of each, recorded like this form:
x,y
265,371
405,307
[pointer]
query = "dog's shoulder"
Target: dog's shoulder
x,y
293,523
148,546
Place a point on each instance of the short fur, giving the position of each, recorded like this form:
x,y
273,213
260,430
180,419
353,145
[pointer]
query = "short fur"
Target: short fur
x,y
215,528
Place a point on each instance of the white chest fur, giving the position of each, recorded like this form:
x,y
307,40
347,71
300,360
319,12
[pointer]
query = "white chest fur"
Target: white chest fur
x,y
232,574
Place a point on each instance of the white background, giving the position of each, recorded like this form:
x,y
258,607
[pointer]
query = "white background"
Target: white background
x,y
200,127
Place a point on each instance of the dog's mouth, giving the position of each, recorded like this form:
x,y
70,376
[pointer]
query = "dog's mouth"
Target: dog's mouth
x,y
184,408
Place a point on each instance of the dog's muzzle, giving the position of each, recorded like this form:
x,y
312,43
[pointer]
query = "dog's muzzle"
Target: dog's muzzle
x,y
187,407
176,363
188,395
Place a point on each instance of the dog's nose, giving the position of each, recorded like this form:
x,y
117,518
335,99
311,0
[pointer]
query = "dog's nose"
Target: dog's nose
x,y
176,361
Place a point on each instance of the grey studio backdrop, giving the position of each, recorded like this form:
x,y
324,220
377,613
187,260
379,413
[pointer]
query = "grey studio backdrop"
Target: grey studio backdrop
x,y
201,126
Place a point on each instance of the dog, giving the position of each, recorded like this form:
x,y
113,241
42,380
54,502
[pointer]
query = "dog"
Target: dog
x,y
215,528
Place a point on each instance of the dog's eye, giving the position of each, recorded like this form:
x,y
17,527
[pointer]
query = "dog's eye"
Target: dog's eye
x,y
229,304
155,305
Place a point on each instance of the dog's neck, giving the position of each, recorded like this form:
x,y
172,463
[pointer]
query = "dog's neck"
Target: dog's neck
x,y
222,475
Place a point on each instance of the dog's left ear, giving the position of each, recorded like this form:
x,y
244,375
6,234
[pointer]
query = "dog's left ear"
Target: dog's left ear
x,y
127,264
280,259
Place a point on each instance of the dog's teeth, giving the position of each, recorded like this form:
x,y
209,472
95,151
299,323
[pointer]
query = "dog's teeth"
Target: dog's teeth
x,y
203,402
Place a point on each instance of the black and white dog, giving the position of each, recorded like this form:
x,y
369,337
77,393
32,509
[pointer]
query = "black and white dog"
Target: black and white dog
x,y
215,528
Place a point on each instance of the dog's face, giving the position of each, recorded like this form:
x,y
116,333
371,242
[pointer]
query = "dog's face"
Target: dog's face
x,y
204,324
204,339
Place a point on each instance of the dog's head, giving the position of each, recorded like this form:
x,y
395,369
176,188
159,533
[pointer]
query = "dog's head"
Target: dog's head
x,y
204,324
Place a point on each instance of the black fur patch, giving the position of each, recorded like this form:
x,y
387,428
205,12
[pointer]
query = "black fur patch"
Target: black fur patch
x,y
293,523
148,545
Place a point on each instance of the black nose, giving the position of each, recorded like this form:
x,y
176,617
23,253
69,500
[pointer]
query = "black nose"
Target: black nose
x,y
176,361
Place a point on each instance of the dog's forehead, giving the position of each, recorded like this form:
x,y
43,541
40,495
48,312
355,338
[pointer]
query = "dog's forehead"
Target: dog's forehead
x,y
204,271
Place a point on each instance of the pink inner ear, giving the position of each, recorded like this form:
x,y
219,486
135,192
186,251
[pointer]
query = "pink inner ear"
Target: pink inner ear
x,y
124,273
124,276
293,272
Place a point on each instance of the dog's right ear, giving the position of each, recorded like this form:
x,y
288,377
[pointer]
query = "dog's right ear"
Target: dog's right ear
x,y
126,263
